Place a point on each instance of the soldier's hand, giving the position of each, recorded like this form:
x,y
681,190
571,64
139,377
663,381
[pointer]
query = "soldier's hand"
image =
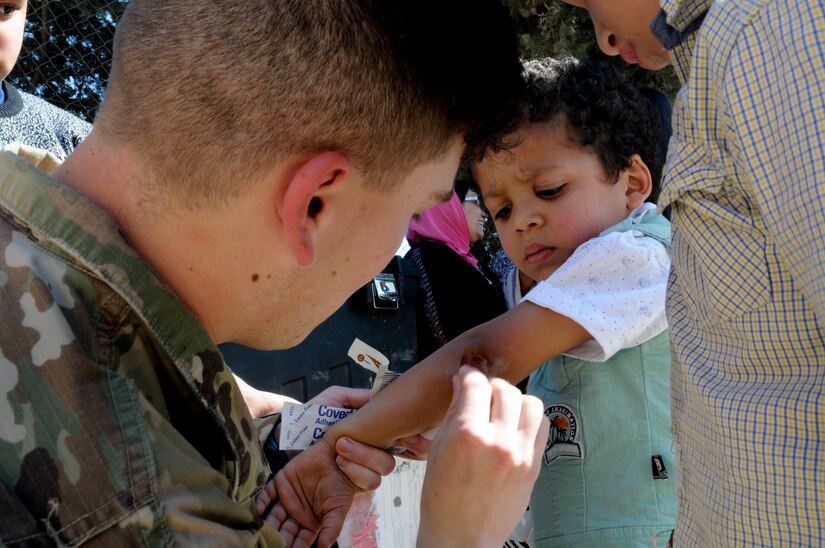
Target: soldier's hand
x,y
490,442
363,464
308,498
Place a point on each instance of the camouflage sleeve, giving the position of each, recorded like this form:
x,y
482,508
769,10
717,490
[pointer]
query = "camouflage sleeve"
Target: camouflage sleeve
x,y
86,458
101,439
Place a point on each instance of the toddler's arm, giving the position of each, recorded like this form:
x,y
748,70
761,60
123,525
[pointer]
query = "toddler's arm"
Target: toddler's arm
x,y
510,347
310,490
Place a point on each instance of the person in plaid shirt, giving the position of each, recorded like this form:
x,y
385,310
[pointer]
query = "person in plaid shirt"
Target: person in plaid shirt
x,y
746,295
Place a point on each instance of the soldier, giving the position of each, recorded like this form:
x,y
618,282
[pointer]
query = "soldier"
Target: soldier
x,y
253,163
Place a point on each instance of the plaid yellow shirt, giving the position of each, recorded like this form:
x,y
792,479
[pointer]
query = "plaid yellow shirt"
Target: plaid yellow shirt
x,y
746,300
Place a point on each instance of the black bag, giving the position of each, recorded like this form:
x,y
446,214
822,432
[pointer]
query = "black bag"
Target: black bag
x,y
382,314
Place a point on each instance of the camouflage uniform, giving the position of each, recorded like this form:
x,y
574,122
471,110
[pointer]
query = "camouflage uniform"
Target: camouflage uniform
x,y
119,421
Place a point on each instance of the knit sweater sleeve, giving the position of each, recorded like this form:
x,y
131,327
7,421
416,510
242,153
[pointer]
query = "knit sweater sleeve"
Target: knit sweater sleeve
x,y
32,121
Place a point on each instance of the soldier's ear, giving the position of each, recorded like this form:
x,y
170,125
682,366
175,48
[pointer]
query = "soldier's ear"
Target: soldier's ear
x,y
639,182
306,201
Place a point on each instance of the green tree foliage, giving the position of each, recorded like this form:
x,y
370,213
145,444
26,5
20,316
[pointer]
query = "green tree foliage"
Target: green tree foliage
x,y
67,52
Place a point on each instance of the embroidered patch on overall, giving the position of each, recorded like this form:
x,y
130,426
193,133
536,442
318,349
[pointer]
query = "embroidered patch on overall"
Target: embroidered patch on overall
x,y
564,431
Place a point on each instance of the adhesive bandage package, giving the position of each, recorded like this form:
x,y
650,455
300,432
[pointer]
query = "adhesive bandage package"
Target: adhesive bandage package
x,y
302,425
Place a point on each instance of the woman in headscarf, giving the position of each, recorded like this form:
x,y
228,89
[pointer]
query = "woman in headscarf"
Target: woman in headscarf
x,y
456,295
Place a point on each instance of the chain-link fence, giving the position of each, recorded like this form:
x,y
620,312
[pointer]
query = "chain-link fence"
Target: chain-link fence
x,y
67,52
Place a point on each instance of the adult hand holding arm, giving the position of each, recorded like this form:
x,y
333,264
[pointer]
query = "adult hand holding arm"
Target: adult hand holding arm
x,y
491,439
359,466
314,496
491,442
362,464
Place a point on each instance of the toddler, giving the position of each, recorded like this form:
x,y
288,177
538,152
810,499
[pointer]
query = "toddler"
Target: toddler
x,y
569,206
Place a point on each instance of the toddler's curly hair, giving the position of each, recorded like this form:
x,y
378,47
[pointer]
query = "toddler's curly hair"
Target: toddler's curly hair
x,y
601,109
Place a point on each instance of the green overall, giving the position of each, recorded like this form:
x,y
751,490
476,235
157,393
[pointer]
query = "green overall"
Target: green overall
x,y
602,481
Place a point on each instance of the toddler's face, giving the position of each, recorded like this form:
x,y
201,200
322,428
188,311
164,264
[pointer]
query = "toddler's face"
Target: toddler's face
x,y
547,196
12,23
623,28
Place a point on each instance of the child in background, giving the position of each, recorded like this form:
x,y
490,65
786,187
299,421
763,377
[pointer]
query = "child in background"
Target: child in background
x,y
25,118
568,201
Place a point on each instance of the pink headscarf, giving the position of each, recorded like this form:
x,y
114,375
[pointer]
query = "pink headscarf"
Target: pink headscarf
x,y
447,224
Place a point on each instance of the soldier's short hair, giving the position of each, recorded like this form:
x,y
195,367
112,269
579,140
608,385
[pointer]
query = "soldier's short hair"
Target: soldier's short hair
x,y
211,93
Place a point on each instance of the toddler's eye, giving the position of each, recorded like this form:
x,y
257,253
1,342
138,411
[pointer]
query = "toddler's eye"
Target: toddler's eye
x,y
502,213
550,193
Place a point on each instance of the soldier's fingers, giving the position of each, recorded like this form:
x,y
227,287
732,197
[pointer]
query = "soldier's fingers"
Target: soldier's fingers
x,y
289,531
505,405
417,447
364,478
265,498
367,456
305,538
541,437
532,414
534,425
276,516
473,398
